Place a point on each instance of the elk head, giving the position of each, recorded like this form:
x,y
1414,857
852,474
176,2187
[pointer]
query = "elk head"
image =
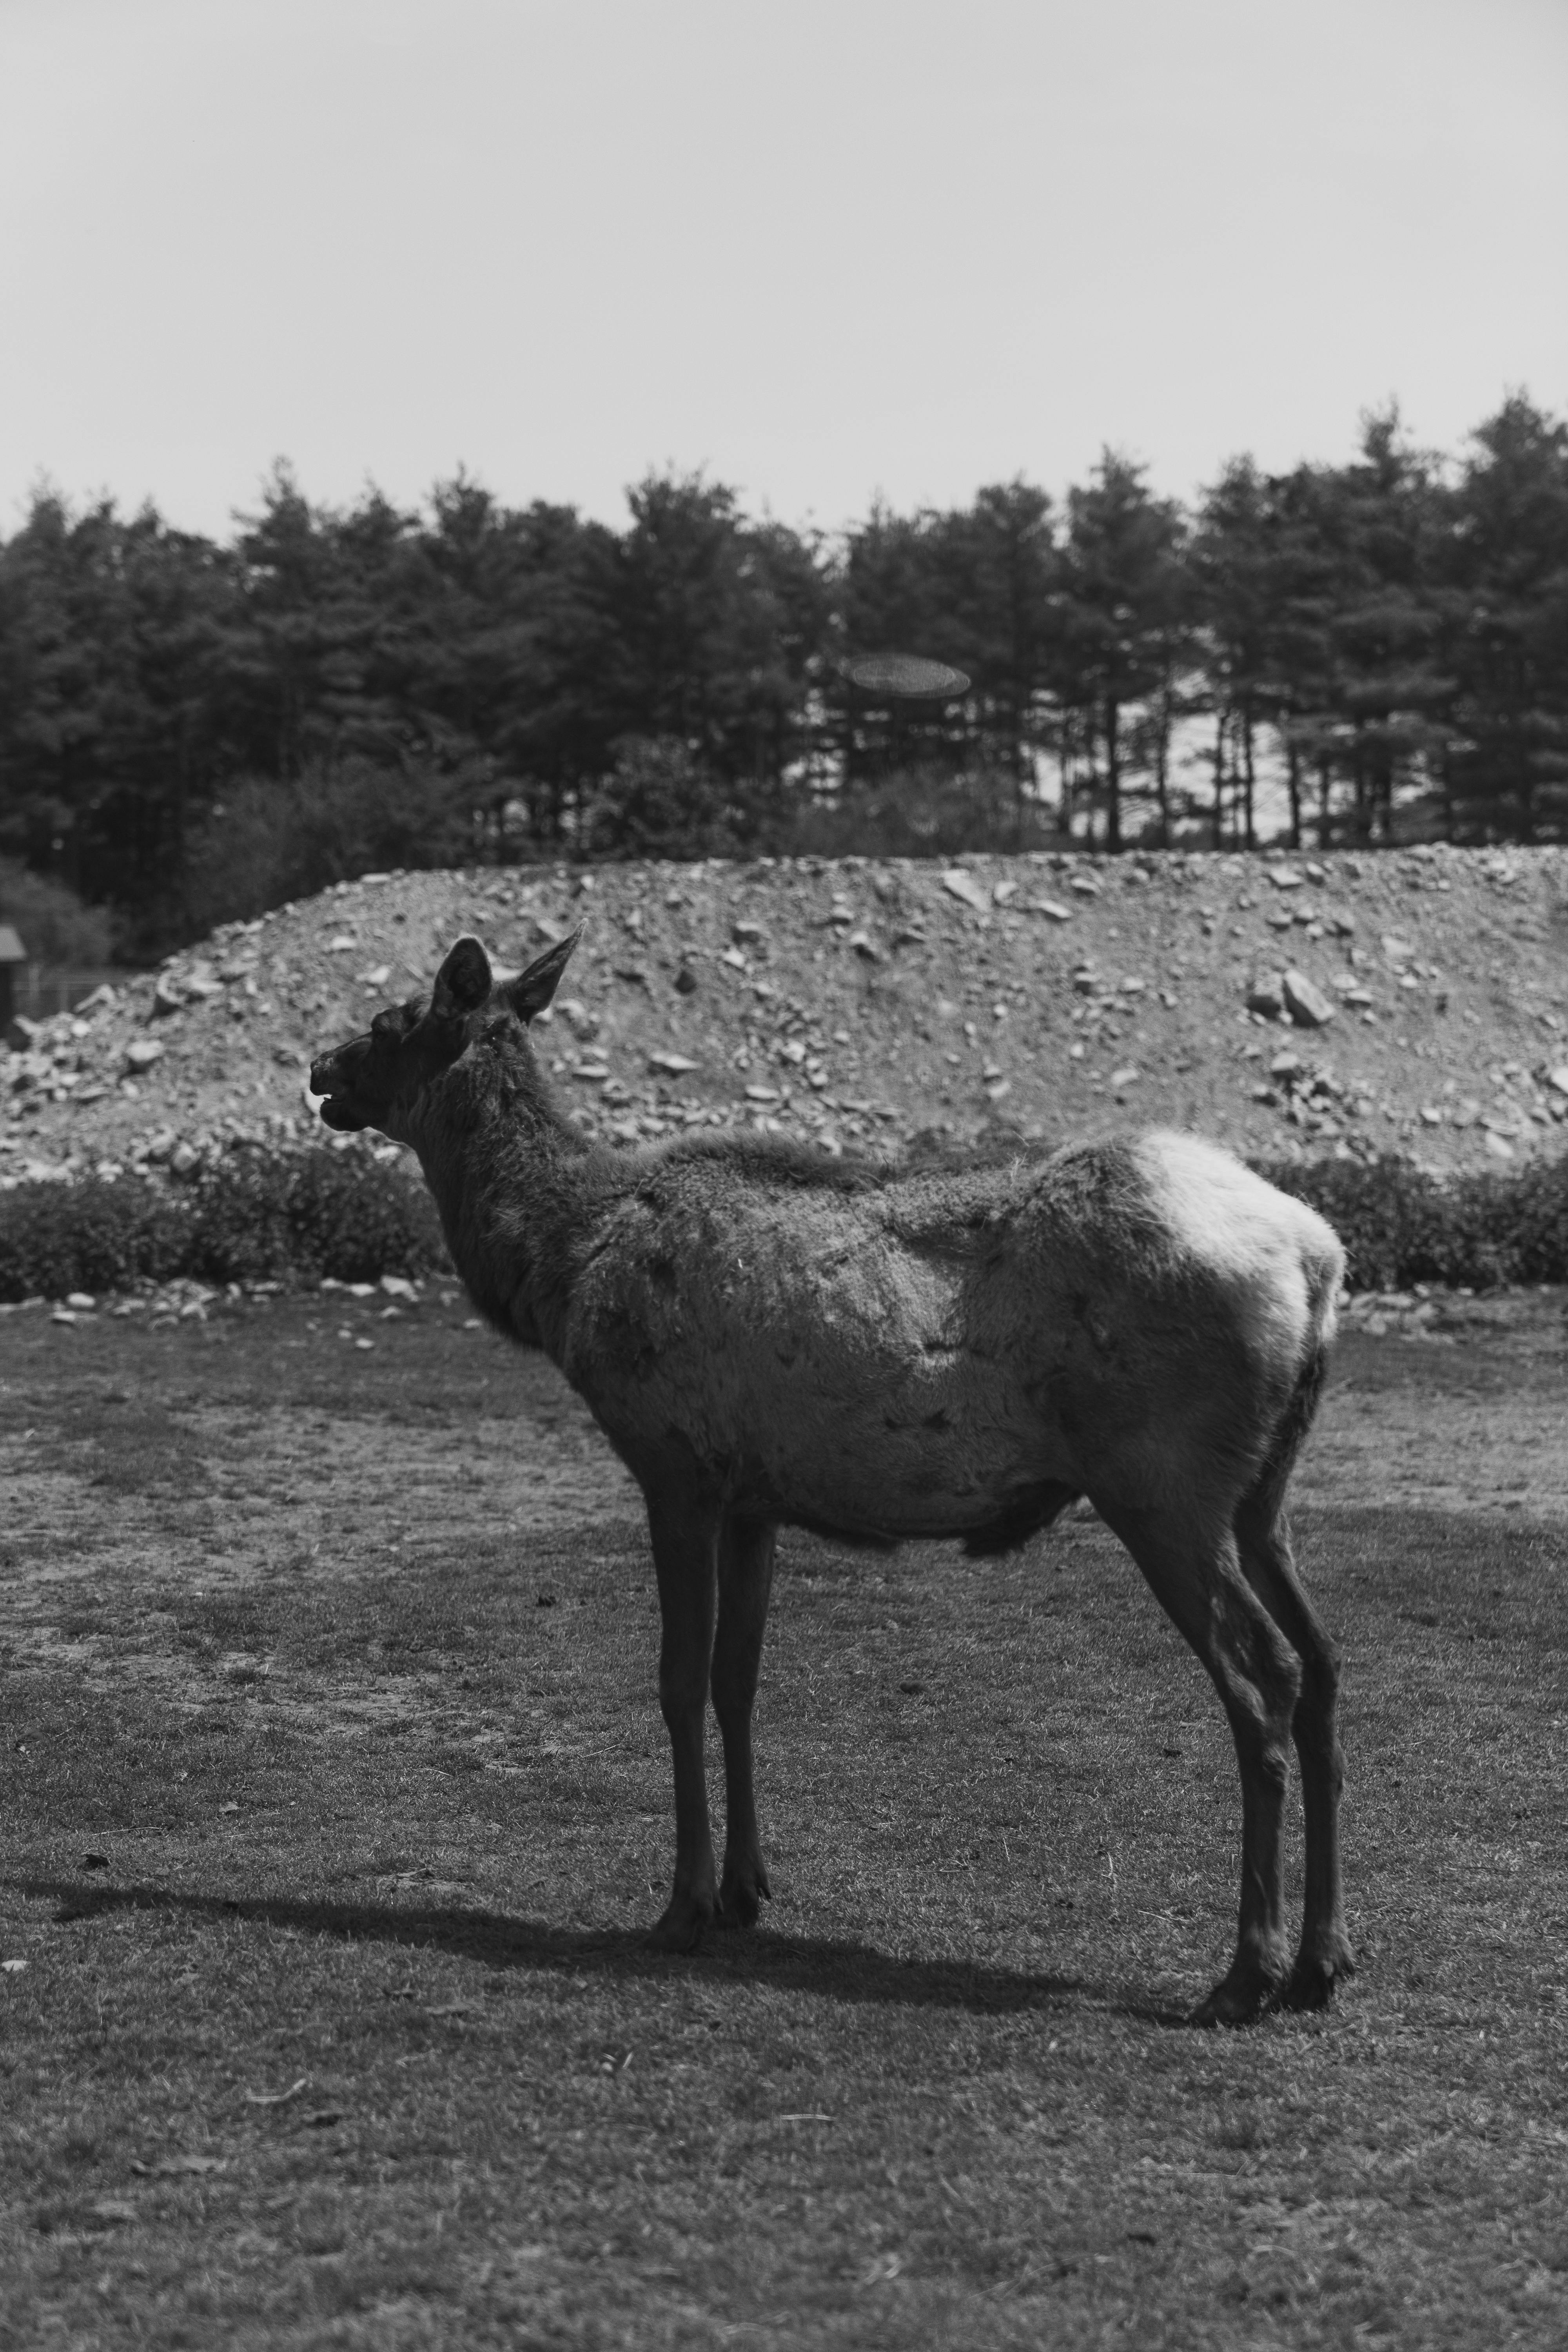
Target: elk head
x,y
376,1080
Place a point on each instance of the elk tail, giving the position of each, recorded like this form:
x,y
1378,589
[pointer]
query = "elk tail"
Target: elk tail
x,y
1324,1268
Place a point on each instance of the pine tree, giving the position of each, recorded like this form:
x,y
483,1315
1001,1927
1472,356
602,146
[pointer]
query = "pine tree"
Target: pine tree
x,y
1128,613
720,625
1379,523
1507,641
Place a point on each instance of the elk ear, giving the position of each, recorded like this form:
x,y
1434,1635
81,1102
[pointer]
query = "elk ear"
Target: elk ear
x,y
463,982
531,990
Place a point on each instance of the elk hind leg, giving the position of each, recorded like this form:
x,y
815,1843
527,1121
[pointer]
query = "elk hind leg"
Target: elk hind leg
x,y
685,1527
745,1584
1192,1567
1263,1540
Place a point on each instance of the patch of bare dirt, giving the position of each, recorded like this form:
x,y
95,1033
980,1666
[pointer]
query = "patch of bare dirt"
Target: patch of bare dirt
x,y
130,1581
155,1583
1436,1453
484,1478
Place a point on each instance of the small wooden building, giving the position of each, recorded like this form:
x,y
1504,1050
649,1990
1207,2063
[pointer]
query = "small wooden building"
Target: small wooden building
x,y
13,956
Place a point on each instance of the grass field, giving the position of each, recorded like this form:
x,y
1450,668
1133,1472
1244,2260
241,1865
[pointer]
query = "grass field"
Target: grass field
x,y
335,1798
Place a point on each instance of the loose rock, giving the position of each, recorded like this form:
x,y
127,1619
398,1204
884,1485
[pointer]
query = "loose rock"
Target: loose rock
x,y
1307,1006
963,885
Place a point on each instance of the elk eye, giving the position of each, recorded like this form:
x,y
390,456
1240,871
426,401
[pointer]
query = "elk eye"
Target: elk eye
x,y
387,1026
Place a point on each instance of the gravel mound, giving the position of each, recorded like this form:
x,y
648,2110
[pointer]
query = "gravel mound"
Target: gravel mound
x,y
1412,1002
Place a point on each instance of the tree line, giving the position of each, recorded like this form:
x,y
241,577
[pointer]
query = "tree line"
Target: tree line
x,y
190,731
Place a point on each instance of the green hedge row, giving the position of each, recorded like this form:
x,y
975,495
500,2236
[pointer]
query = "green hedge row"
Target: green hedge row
x,y
293,1218
1401,1227
252,1217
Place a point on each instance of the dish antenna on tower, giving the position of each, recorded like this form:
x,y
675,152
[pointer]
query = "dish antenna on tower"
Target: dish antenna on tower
x,y
908,678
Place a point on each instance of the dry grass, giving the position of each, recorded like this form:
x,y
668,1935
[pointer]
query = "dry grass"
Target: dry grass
x,y
331,1754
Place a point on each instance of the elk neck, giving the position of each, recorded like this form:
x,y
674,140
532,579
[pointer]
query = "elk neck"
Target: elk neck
x,y
508,1175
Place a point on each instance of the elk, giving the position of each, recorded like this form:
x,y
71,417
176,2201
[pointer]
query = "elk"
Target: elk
x,y
771,1337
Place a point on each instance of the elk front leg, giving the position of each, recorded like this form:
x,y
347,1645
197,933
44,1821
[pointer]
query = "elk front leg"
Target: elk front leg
x,y
745,1583
685,1528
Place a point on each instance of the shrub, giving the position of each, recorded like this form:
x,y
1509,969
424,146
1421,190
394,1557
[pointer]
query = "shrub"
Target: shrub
x,y
274,1217
659,801
252,1217
1401,1227
55,926
266,841
295,1217
56,1238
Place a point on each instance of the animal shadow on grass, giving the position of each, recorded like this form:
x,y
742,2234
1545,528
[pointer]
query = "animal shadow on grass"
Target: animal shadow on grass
x,y
844,1970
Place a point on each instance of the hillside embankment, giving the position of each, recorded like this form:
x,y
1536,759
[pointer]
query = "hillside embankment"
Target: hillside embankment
x,y
1413,1001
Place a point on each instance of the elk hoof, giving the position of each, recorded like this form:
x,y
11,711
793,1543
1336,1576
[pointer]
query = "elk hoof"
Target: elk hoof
x,y
741,1896
681,1926
1241,1998
1315,1975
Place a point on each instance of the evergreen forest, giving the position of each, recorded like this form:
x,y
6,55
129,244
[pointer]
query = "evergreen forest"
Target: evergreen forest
x,y
1342,654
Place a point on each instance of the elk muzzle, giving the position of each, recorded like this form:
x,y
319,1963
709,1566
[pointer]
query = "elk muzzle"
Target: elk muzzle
x,y
331,1079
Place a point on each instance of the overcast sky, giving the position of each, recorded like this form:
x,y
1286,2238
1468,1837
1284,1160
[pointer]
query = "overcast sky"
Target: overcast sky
x,y
820,251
